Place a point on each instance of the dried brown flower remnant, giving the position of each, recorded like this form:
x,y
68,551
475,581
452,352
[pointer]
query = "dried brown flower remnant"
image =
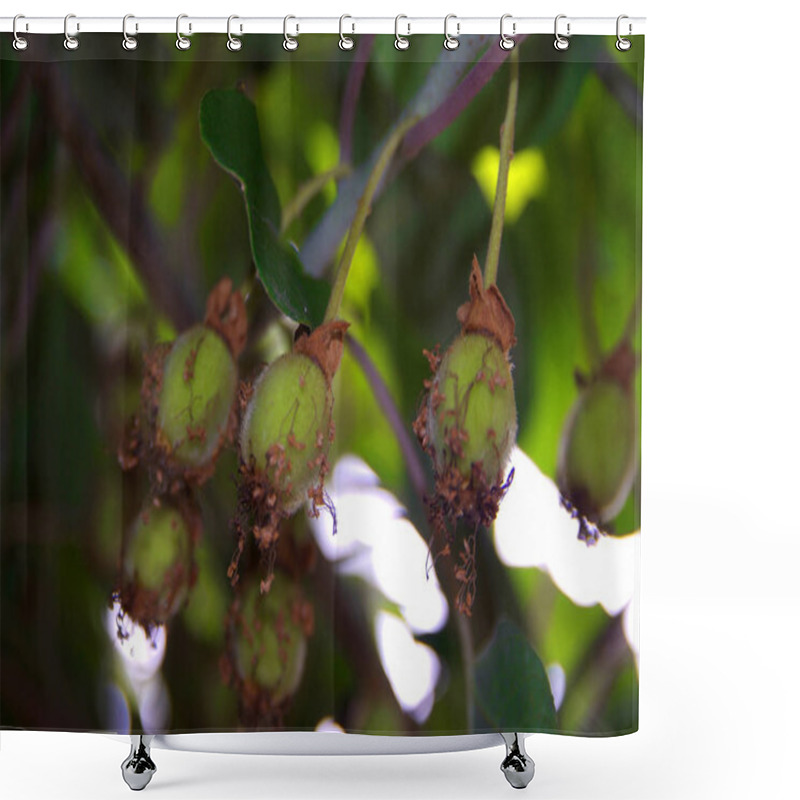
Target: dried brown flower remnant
x,y
324,345
597,454
287,429
226,314
487,311
467,423
188,408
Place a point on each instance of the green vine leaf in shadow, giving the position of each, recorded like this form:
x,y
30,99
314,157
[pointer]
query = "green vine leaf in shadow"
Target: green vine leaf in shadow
x,y
229,128
512,692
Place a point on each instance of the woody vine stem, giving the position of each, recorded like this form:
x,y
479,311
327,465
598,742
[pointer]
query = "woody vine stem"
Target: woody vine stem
x,y
506,154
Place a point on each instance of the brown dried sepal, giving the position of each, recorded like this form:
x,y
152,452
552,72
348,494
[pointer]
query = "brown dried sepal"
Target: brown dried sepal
x,y
620,365
149,607
260,510
137,444
324,345
486,311
471,503
256,705
226,314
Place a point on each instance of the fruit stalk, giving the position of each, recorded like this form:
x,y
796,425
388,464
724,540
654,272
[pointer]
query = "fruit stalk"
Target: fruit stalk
x,y
506,154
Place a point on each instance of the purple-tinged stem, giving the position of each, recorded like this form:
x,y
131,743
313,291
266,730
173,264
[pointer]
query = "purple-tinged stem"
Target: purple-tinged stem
x,y
416,472
352,90
443,79
430,127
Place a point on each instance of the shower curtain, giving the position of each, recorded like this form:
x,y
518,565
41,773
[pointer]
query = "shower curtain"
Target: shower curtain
x,y
320,385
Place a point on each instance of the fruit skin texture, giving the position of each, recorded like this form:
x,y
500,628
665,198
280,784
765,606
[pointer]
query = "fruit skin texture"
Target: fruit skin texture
x,y
270,639
157,569
198,390
597,462
597,458
472,414
286,428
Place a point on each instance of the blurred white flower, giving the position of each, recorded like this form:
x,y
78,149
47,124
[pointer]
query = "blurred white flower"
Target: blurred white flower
x,y
412,667
140,656
376,541
533,530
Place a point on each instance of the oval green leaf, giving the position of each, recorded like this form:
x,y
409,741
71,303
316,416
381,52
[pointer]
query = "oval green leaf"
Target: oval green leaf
x,y
512,692
229,128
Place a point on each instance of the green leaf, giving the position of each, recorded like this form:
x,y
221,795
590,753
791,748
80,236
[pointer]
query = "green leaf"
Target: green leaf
x,y
229,127
512,692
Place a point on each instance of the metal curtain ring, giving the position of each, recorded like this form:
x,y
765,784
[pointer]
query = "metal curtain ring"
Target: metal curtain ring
x,y
182,43
561,42
70,42
289,42
346,42
400,42
20,42
129,42
451,42
506,42
623,44
234,43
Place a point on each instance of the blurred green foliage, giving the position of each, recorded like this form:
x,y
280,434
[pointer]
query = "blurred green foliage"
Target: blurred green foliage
x,y
77,316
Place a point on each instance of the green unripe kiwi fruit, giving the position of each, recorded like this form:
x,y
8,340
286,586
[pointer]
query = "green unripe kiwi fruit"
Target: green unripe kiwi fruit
x,y
286,427
270,644
157,566
198,389
472,414
597,457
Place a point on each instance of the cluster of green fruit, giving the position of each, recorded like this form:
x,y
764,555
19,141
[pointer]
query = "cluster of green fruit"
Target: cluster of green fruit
x,y
190,410
193,405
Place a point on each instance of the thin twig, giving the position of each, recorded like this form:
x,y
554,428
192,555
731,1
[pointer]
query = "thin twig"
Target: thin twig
x,y
352,90
416,472
468,657
506,154
308,191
